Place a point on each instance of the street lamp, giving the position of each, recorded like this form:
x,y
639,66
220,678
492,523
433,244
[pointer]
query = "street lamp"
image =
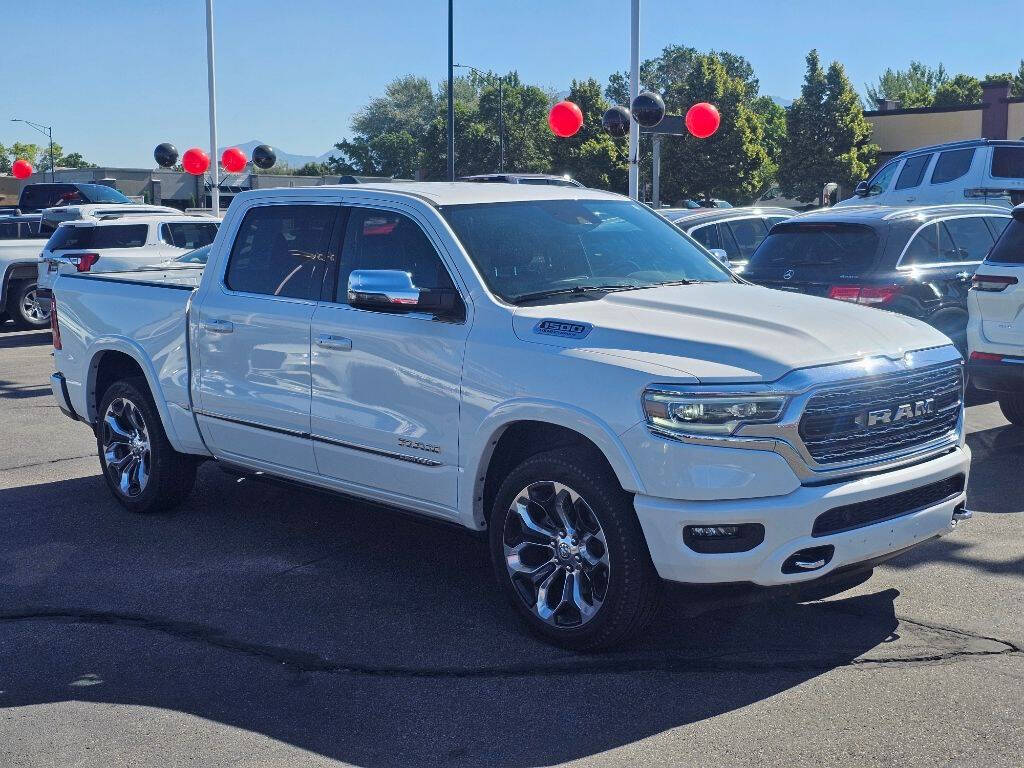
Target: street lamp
x,y
46,130
501,112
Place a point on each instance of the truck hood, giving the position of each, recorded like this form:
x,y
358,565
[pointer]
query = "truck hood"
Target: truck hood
x,y
723,332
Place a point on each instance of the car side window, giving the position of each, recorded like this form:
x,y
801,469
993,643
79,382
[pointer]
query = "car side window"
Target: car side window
x,y
880,181
972,238
377,239
282,250
913,171
952,165
931,245
707,236
748,234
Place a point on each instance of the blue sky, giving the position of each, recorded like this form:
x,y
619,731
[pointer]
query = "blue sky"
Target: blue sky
x,y
116,77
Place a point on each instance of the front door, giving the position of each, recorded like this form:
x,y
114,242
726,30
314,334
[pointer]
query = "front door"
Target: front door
x,y
253,337
386,385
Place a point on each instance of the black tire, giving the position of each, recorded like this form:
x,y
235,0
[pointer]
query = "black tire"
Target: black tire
x,y
170,476
1012,406
20,293
630,585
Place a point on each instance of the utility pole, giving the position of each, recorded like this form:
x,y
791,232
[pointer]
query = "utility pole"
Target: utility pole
x,y
46,130
451,92
634,91
214,160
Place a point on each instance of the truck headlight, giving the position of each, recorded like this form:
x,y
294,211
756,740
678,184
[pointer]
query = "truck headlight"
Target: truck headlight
x,y
717,414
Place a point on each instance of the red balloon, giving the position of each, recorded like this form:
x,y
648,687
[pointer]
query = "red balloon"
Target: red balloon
x,y
195,161
21,169
233,159
702,120
565,119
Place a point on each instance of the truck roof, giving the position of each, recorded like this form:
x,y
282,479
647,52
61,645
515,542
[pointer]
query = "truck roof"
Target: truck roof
x,y
438,193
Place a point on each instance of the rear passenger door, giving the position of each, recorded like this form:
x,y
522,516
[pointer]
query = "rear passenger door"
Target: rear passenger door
x,y
253,336
386,384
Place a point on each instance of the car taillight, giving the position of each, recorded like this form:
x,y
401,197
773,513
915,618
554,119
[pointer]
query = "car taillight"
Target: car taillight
x,y
987,356
864,294
54,325
84,261
992,283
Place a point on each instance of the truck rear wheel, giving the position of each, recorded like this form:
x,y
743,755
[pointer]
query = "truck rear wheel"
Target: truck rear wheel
x,y
569,553
1012,406
23,308
142,470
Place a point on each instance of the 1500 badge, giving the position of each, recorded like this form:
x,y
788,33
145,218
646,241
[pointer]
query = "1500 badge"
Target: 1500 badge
x,y
417,446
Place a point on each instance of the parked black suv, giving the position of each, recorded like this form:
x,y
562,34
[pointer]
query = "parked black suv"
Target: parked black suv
x,y
36,197
915,261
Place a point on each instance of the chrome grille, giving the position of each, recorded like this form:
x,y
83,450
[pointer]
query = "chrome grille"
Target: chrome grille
x,y
834,426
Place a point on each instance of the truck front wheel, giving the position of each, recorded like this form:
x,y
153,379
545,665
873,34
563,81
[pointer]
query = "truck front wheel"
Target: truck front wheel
x,y
569,552
142,470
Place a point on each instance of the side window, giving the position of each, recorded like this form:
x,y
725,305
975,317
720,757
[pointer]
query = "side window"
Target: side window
x,y
188,234
932,245
913,171
952,165
971,238
997,224
117,236
376,239
707,236
880,181
282,250
748,234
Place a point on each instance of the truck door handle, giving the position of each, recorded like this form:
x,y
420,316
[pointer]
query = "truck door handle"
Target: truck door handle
x,y
339,343
218,326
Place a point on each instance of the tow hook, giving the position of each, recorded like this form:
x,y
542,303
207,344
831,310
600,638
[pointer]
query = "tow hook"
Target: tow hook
x,y
960,513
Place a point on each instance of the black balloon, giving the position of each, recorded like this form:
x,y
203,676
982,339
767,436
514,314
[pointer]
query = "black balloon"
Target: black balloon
x,y
264,156
616,121
165,154
648,109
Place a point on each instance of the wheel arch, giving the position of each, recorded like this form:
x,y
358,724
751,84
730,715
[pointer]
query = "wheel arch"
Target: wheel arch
x,y
16,271
511,434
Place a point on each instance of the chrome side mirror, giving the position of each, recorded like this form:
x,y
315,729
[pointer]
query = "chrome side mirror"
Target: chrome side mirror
x,y
382,289
722,256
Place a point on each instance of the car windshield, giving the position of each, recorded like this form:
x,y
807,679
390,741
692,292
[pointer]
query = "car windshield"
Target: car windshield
x,y
198,256
851,246
532,248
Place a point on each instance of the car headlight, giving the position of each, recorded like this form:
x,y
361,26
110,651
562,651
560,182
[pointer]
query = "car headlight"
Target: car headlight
x,y
712,414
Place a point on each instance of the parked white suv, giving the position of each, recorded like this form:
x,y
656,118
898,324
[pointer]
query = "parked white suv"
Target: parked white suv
x,y
559,366
118,242
995,332
976,171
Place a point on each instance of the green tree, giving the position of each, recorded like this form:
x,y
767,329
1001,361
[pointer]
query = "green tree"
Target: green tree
x,y
313,169
827,135
773,127
962,89
732,163
914,86
591,156
1017,89
672,66
74,160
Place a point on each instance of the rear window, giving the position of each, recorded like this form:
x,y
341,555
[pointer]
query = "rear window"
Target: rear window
x,y
188,234
846,246
98,238
952,165
1009,248
1008,162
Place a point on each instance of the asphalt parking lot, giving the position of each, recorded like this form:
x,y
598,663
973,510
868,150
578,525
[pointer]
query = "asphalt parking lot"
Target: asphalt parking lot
x,y
267,626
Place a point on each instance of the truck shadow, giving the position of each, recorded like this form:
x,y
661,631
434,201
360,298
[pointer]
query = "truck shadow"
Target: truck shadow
x,y
367,636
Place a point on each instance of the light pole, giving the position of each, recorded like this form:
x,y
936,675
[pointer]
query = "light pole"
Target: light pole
x,y
211,82
501,112
634,91
451,92
46,130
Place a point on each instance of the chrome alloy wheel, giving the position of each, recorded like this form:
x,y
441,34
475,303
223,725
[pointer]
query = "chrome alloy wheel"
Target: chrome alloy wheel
x,y
31,310
126,447
556,554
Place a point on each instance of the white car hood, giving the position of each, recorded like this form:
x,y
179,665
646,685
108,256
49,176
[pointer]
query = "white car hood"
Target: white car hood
x,y
724,332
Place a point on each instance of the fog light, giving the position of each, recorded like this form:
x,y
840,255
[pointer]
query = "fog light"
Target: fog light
x,y
719,539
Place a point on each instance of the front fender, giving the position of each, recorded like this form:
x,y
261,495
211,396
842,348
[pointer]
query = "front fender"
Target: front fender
x,y
481,443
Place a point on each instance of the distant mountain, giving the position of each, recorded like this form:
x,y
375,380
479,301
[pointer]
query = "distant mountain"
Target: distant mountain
x,y
284,158
781,101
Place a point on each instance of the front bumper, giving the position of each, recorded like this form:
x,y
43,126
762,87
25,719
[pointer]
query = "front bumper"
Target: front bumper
x,y
788,521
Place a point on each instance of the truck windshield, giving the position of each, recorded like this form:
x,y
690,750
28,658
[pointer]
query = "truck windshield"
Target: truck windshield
x,y
534,247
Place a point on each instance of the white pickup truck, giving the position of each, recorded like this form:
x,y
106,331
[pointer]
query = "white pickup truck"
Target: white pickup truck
x,y
559,366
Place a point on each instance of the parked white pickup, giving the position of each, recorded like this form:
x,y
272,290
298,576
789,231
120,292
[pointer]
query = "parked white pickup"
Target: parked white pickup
x,y
559,366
